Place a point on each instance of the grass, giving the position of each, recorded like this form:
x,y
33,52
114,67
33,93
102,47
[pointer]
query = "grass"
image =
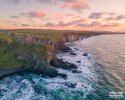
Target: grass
x,y
9,49
8,59
8,55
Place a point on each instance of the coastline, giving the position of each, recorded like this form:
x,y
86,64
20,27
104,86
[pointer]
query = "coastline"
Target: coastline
x,y
10,71
86,78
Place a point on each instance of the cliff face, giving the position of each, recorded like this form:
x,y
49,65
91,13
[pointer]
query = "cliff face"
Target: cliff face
x,y
46,46
26,53
59,44
71,37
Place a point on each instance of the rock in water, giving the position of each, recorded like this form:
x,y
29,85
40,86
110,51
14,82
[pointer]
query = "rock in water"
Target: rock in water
x,y
59,63
70,85
78,61
85,54
72,53
76,48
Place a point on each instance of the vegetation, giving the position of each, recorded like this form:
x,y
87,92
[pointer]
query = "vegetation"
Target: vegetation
x,y
10,50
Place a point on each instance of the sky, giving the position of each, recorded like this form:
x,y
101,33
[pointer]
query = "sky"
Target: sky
x,y
88,15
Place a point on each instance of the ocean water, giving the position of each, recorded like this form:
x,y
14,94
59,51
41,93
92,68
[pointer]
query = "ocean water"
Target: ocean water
x,y
100,74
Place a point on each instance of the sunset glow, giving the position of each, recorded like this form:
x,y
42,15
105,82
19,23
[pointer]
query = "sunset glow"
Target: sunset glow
x,y
95,15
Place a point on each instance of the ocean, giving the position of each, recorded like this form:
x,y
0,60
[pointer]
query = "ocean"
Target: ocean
x,y
100,74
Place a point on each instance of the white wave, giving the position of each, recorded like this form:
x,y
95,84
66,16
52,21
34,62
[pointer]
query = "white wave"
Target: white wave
x,y
23,92
84,64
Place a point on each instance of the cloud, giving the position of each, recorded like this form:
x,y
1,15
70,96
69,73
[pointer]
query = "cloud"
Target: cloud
x,y
19,24
14,1
99,15
92,24
115,18
27,1
46,1
58,15
35,14
96,15
111,13
81,25
14,16
75,4
109,18
69,14
27,25
49,24
120,17
17,1
65,24
111,25
95,23
70,4
98,24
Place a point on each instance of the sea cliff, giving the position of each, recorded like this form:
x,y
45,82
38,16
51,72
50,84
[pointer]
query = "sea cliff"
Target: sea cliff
x,y
33,53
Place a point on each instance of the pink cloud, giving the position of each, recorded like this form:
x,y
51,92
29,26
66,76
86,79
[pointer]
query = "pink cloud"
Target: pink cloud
x,y
37,14
75,4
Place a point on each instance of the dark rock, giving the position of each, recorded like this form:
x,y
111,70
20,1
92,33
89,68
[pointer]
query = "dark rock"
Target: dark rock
x,y
3,90
78,61
85,54
70,85
75,71
62,47
72,53
76,48
100,83
50,72
61,64
62,75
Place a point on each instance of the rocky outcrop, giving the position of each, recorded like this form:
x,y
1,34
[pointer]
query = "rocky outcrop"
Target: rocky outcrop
x,y
59,63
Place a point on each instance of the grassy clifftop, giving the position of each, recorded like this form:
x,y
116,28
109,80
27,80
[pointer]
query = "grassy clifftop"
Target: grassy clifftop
x,y
33,49
25,52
